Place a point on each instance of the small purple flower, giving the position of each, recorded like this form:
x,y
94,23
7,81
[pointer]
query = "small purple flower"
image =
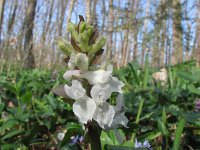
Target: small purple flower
x,y
76,139
197,105
138,144
145,144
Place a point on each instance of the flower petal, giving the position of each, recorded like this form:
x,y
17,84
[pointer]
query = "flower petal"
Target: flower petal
x,y
96,77
116,85
104,114
72,61
68,74
84,109
76,91
104,91
119,119
120,103
100,92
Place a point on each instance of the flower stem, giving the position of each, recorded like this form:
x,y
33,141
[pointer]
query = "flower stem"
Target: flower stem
x,y
139,111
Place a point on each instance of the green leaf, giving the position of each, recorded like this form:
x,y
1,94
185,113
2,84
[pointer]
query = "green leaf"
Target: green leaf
x,y
26,98
134,74
186,76
194,90
164,116
112,147
11,134
2,107
171,77
146,72
152,135
178,134
9,124
162,127
8,146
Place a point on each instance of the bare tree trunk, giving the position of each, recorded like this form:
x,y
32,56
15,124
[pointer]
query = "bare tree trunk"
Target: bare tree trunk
x,y
62,15
2,4
177,32
28,43
125,47
6,45
198,40
136,30
88,8
110,29
12,19
46,26
94,13
163,12
144,32
69,13
116,49
104,14
125,51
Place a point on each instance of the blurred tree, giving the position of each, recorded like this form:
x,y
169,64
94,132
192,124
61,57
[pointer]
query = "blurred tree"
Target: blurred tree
x,y
70,9
144,43
198,30
94,12
88,8
110,29
28,42
46,26
2,4
125,50
177,32
135,24
158,49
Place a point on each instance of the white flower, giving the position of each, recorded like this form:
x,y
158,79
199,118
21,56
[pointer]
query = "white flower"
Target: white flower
x,y
96,107
84,107
106,115
61,136
80,60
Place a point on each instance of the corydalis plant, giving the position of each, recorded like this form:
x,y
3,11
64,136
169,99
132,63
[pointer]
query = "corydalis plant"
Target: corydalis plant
x,y
91,86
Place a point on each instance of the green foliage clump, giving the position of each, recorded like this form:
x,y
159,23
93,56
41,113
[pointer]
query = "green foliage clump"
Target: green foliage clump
x,y
30,115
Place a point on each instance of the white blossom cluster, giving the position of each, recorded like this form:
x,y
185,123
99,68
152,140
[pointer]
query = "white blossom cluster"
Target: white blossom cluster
x,y
93,105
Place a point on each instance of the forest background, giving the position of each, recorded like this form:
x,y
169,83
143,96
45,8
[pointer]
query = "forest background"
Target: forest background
x,y
168,30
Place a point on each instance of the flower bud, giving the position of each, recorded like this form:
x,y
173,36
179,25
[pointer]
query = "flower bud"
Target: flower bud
x,y
72,29
82,27
83,41
100,42
90,30
66,47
